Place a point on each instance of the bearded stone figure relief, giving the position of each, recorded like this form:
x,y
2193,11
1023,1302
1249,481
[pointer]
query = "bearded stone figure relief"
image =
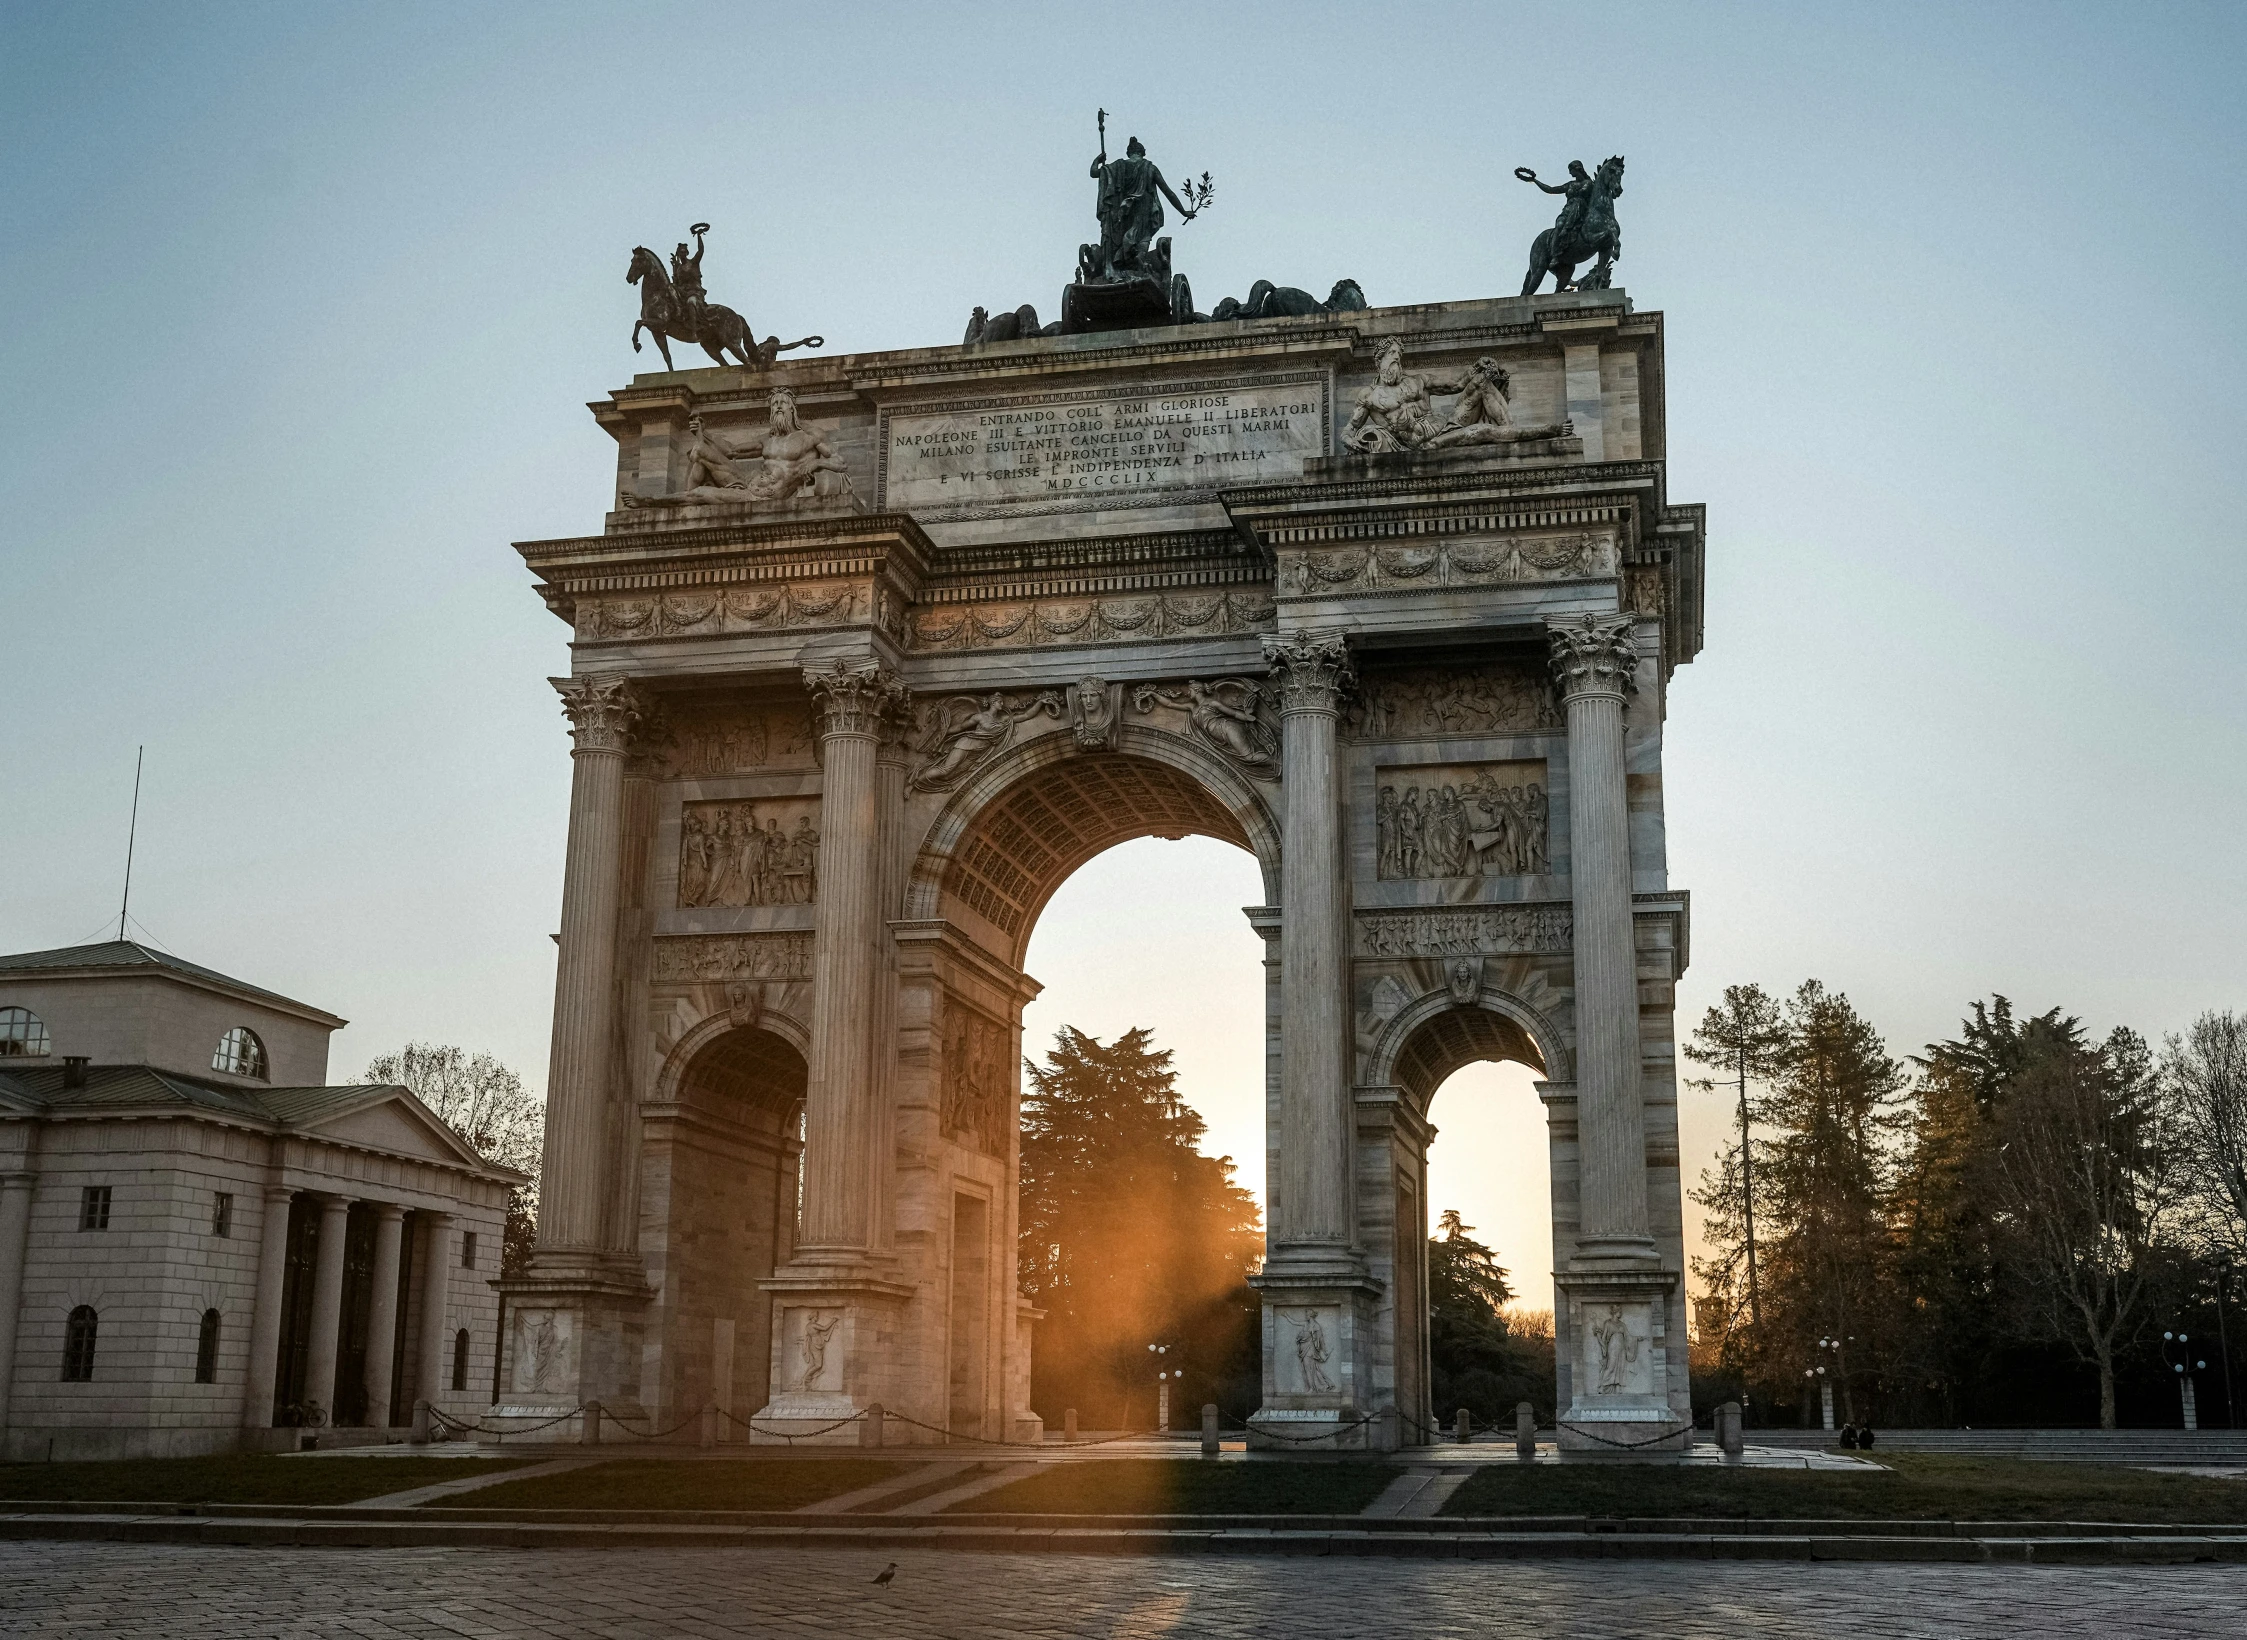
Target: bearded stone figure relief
x,y
742,854
1473,820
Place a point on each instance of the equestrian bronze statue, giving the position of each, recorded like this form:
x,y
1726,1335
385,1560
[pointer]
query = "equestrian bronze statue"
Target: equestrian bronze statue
x,y
673,308
1586,228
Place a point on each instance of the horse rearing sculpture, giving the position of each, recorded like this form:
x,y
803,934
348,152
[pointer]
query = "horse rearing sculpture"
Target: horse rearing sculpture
x,y
1586,228
720,331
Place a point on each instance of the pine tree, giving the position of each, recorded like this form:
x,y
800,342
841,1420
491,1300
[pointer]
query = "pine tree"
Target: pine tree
x,y
1130,1235
1477,1362
1743,1039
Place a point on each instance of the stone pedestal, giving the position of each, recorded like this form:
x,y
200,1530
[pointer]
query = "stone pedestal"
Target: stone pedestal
x,y
567,1345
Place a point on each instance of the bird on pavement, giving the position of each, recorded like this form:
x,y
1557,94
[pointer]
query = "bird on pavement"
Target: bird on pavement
x,y
887,1573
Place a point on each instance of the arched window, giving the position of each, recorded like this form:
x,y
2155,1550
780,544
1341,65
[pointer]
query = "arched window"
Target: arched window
x,y
460,1359
206,1349
78,1345
23,1034
240,1053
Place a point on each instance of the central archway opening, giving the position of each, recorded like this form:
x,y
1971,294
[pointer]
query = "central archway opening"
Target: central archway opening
x,y
1118,880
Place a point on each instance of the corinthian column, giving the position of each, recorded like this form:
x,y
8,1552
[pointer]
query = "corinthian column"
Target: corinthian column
x,y
602,712
1311,1207
853,701
1595,661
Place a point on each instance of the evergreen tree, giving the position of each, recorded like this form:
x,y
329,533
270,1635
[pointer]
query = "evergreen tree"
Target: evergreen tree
x,y
1130,1236
1477,1362
1743,1040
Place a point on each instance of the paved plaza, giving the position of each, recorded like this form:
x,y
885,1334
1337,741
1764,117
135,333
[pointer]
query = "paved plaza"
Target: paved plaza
x,y
494,1594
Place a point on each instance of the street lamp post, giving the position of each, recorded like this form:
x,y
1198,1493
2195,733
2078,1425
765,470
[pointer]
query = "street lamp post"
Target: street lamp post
x,y
2184,1367
1828,1348
1164,1378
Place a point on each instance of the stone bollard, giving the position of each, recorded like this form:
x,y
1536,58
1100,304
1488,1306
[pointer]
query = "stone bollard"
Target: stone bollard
x,y
421,1423
1729,1438
1525,1433
1069,1425
870,1431
589,1429
1388,1429
710,1423
1209,1429
1463,1426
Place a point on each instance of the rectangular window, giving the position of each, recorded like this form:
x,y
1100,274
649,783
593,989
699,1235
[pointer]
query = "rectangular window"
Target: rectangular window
x,y
93,1207
468,1250
222,1214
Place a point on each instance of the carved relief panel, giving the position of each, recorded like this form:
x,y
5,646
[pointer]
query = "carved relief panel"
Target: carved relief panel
x,y
1504,697
1306,1350
760,853
701,741
1462,820
778,956
978,1070
811,1355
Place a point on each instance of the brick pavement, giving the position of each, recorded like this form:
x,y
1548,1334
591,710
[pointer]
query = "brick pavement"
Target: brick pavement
x,y
182,1593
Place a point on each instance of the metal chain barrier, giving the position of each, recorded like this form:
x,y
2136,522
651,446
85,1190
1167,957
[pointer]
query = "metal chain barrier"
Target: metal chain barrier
x,y
601,1412
750,1424
477,1426
1632,1446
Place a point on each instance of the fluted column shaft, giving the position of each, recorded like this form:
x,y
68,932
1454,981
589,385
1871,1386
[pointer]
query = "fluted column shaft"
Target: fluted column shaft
x,y
265,1316
327,1304
434,1232
15,1231
1595,662
574,1189
1312,1204
852,703
382,1311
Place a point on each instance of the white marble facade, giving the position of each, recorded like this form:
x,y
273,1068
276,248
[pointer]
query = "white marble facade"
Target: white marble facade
x,y
1087,589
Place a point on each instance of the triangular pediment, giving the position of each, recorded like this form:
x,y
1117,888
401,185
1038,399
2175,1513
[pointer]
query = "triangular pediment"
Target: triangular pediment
x,y
394,1122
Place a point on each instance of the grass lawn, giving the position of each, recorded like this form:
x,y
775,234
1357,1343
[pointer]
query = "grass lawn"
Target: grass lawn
x,y
1188,1486
646,1484
1917,1486
251,1478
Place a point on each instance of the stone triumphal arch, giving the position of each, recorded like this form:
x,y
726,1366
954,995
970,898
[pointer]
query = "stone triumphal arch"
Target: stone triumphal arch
x,y
874,650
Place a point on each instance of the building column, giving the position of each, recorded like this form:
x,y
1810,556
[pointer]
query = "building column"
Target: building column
x,y
327,1305
1321,1307
852,703
15,1232
382,1311
434,1231
574,1191
1595,662
265,1317
1611,1311
836,1308
1311,1207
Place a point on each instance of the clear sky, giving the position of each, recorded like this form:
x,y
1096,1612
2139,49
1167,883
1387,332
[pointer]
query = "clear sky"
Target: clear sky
x,y
303,305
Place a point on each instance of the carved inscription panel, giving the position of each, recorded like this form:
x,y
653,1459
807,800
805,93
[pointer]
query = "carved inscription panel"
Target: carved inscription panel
x,y
763,853
1098,447
1462,820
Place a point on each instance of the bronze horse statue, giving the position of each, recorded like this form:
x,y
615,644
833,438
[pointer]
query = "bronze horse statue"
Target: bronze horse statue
x,y
1586,228
720,331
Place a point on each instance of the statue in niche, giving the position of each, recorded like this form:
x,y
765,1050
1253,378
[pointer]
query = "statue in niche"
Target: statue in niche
x,y
1227,716
959,735
674,308
799,463
1613,1348
1586,227
819,1327
1397,414
1095,714
1311,1354
1479,827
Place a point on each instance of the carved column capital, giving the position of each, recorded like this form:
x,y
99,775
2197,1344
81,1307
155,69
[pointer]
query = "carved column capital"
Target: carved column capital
x,y
603,711
1312,669
854,697
1594,655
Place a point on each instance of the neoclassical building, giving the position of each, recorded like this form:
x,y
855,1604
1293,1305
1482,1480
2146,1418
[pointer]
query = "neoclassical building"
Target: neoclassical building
x,y
203,1247
873,651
